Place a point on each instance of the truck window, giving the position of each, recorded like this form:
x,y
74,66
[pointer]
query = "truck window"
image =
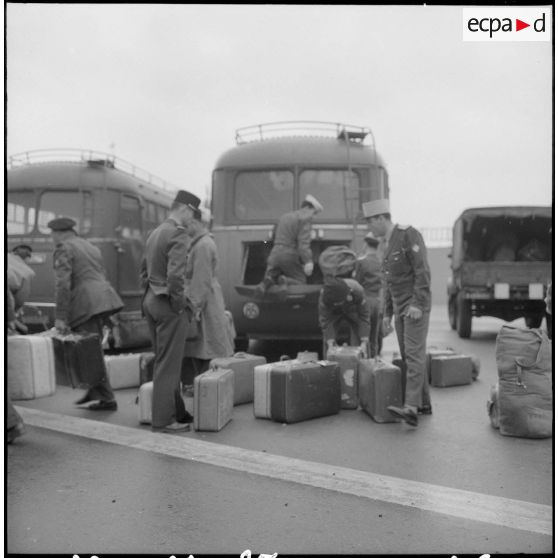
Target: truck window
x,y
329,186
20,212
77,205
263,195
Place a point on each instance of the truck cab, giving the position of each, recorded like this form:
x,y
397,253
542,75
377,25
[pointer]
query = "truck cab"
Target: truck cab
x,y
501,264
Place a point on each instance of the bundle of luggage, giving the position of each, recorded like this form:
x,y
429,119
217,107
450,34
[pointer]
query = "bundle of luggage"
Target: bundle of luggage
x,y
521,403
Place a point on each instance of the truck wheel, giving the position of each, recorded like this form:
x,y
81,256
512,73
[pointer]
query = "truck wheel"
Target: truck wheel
x,y
452,312
464,317
533,321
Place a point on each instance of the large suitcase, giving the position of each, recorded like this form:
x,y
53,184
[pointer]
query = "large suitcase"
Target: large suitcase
x,y
380,387
123,371
304,390
79,359
348,359
213,399
30,363
145,399
242,365
451,370
262,390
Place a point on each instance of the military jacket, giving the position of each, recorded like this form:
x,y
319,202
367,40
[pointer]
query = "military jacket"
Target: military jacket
x,y
406,272
82,290
294,232
163,267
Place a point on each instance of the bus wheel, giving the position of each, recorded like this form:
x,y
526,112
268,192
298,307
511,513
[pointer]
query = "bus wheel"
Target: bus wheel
x,y
241,344
464,317
452,312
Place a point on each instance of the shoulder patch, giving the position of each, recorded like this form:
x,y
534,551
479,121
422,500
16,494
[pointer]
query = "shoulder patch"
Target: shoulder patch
x,y
415,248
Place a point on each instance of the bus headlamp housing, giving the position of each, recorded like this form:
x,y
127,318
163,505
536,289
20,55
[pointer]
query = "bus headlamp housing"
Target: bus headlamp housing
x,y
251,310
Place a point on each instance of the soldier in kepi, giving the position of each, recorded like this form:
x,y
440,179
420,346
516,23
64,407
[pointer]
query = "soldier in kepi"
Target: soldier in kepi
x,y
84,297
290,260
408,299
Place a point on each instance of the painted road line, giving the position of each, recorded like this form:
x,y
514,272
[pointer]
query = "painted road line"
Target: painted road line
x,y
505,512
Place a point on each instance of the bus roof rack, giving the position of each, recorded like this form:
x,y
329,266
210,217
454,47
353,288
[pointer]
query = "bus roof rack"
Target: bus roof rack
x,y
302,128
90,157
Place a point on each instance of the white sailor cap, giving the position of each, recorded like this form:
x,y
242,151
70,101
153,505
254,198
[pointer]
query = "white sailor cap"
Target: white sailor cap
x,y
314,202
375,207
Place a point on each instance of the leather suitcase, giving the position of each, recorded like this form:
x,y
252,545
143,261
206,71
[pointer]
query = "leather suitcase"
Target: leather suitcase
x,y
242,365
432,352
30,366
380,387
145,398
146,364
347,358
451,370
79,360
213,399
262,391
123,371
304,390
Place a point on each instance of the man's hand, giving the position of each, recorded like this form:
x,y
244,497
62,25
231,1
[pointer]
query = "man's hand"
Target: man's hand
x,y
414,313
308,268
61,326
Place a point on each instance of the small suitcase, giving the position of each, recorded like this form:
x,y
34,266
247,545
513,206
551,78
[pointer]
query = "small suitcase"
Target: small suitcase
x,y
30,363
348,359
79,360
146,364
304,390
451,370
432,352
145,399
213,399
262,392
242,365
123,371
380,387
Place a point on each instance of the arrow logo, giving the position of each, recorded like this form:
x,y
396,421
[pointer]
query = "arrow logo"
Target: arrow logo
x,y
519,25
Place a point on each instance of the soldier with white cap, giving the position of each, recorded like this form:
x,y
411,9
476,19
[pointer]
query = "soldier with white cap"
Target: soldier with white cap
x,y
290,260
408,299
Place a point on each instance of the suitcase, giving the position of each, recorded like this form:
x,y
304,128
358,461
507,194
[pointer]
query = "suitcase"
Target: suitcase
x,y
262,393
400,363
451,370
145,398
146,364
79,360
380,387
304,390
213,399
242,365
123,371
30,363
432,352
348,359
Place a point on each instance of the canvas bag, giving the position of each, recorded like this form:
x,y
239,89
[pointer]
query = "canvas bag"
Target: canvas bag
x,y
525,392
337,261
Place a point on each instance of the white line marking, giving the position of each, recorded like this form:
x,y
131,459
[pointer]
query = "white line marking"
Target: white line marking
x,y
505,512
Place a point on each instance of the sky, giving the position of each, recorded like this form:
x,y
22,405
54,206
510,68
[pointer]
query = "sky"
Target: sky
x,y
458,124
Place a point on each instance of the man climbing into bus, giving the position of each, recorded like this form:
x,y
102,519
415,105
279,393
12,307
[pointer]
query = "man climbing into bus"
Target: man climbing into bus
x,y
290,260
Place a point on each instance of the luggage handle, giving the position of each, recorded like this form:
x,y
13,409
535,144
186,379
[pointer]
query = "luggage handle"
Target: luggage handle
x,y
241,354
284,357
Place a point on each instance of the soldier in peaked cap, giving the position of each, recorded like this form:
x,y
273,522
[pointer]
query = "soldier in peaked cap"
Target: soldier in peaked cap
x,y
84,297
407,299
290,260
168,310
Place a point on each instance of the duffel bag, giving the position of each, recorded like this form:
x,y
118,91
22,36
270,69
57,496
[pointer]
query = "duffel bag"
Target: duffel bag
x,y
338,261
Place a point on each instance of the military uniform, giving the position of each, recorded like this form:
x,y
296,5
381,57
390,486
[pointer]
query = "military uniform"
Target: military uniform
x,y
163,276
84,298
407,278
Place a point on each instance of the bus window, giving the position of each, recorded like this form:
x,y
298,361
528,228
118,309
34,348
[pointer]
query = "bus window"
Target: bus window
x,y
20,212
130,217
77,205
263,195
328,187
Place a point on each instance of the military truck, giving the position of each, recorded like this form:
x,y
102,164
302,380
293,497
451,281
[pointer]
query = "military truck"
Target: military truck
x,y
501,264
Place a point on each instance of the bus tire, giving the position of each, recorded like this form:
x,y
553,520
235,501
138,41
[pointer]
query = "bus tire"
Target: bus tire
x,y
464,317
452,312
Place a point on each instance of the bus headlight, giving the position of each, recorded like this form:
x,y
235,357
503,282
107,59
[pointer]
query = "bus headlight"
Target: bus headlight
x,y
251,310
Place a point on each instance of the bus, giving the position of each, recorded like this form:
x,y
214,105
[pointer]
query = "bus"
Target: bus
x,y
115,205
267,173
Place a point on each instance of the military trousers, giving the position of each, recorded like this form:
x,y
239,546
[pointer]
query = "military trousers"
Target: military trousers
x,y
411,336
168,333
376,316
284,261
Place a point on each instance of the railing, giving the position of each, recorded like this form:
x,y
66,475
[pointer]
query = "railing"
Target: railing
x,y
437,236
68,155
309,128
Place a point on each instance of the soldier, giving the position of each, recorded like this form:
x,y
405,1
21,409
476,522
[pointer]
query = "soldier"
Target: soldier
x,y
408,299
84,297
19,276
168,311
290,260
